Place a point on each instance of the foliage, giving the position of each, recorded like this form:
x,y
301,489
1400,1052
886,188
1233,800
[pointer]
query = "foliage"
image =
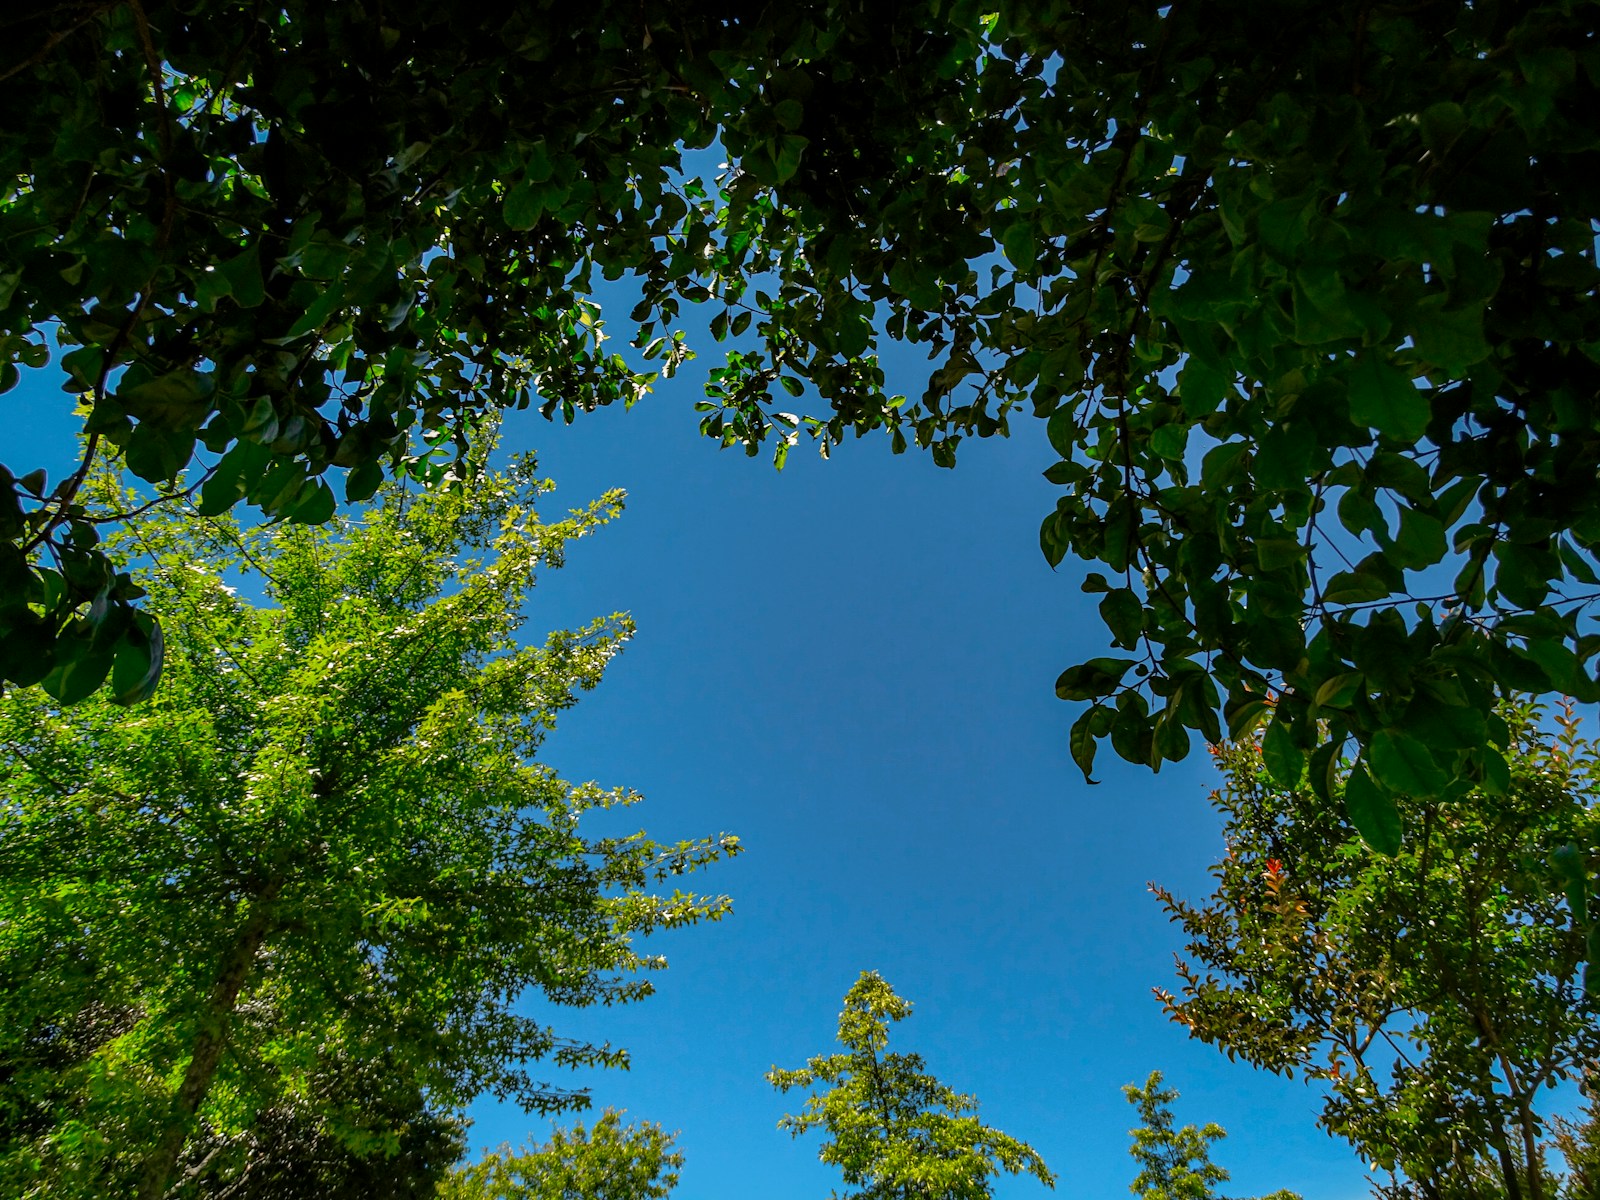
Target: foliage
x,y
322,846
896,1132
1174,1162
295,1150
1578,1143
609,1161
1435,993
1308,304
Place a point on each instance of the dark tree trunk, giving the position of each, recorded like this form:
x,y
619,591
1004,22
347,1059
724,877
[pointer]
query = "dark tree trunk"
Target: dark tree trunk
x,y
211,1039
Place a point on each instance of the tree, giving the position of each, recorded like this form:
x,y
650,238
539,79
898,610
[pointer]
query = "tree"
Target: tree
x,y
1436,993
1578,1143
1174,1163
1308,305
320,873
301,1148
610,1161
896,1132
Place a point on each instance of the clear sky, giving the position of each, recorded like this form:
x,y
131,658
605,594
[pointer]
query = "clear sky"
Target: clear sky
x,y
850,665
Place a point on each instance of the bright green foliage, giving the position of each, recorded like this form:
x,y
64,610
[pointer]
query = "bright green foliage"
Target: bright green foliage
x,y
1435,993
1308,304
895,1132
610,1161
1174,1162
322,851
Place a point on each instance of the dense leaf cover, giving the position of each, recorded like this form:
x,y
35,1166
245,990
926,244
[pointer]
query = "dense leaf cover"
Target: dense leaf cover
x,y
1308,304
605,1161
320,874
894,1131
1437,993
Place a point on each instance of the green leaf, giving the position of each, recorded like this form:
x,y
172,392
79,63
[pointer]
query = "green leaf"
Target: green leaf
x,y
363,480
1084,742
1573,873
1243,713
1124,617
315,505
316,316
1442,124
156,452
1384,399
1420,541
78,673
1355,587
176,398
1341,690
1169,441
1283,759
1095,678
1496,779
523,206
1403,764
1373,812
1202,388
243,275
786,154
1449,338
1021,245
137,668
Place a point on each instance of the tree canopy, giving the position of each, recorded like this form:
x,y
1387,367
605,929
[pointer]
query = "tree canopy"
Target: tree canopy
x,y
1437,994
894,1131
320,880
1308,305
605,1161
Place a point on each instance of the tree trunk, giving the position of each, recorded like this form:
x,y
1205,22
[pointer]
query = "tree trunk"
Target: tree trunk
x,y
210,1040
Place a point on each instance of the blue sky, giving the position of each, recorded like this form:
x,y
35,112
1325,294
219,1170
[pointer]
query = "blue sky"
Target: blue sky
x,y
850,665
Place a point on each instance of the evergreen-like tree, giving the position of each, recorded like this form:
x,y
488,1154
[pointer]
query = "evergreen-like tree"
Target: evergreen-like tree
x,y
1174,1161
895,1131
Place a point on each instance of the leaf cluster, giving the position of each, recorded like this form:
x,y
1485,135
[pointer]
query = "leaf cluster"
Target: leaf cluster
x,y
1435,993
1307,305
605,1161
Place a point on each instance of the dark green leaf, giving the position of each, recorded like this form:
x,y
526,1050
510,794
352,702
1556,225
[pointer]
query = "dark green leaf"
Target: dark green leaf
x,y
1283,759
1405,765
1373,812
1386,400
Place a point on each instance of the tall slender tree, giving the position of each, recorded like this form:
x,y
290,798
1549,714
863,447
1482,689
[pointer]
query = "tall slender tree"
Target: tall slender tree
x,y
1174,1160
895,1131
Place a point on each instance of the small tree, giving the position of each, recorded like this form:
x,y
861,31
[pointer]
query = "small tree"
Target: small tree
x,y
1435,989
896,1132
1174,1162
610,1161
325,840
